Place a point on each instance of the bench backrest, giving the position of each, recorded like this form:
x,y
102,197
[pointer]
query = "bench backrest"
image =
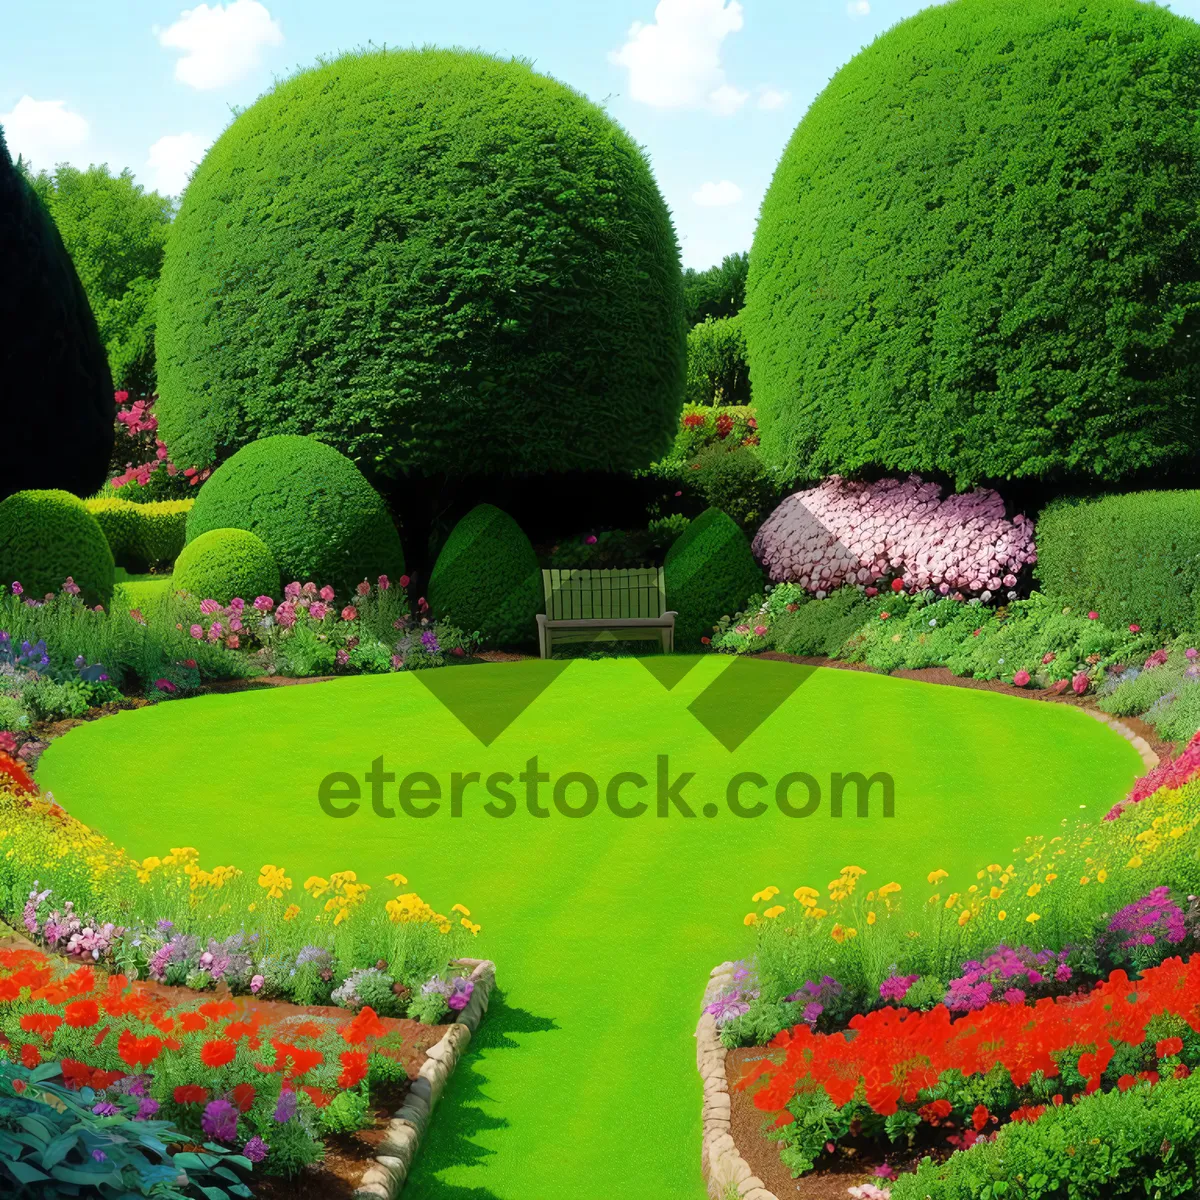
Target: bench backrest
x,y
585,594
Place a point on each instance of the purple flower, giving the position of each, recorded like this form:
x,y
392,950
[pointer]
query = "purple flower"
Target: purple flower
x,y
285,1107
147,1108
105,1109
99,1156
255,1149
895,987
727,1007
17,589
220,1120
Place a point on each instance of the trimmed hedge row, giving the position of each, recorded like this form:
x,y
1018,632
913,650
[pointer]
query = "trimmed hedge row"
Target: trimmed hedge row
x,y
47,537
1134,559
142,534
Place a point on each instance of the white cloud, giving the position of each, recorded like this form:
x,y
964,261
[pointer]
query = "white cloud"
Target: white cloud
x,y
676,62
717,195
859,8
171,160
769,97
220,44
44,132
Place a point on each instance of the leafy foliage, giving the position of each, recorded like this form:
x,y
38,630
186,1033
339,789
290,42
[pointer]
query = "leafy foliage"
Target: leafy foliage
x,y
709,572
1135,559
487,578
476,273
717,292
225,563
46,536
115,233
57,385
978,252
141,535
317,514
716,362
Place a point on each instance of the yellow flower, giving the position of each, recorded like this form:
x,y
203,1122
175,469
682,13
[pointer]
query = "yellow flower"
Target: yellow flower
x,y
293,911
806,895
1033,889
889,888
855,871
838,934
1032,917
461,908
1135,861
774,911
315,886
765,894
1101,875
751,919
1001,915
935,876
952,900
870,918
253,906
995,893
395,880
1084,881
964,917
468,925
1051,877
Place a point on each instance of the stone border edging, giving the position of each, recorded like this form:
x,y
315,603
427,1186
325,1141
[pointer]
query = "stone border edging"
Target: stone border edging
x,y
1149,759
384,1179
723,1166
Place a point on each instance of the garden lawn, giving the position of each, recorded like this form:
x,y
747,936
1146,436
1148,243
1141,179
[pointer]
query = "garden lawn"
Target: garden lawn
x,y
582,1084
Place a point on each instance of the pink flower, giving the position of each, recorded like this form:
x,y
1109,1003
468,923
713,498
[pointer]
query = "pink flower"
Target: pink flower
x,y
364,588
423,604
233,641
317,611
404,581
237,604
590,539
208,607
678,494
1191,652
17,589
1135,629
1021,678
458,652
349,613
256,984
215,630
235,624
285,614
1047,659
197,631
384,583
264,604
309,589
8,743
760,630
292,591
1093,615
1080,682
121,396
871,591
397,662
342,658
71,587
326,594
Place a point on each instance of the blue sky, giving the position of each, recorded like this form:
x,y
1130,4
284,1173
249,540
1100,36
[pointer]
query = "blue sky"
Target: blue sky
x,y
711,88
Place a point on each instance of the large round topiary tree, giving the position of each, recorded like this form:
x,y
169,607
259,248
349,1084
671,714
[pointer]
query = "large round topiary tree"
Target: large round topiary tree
x,y
980,252
321,520
56,394
438,262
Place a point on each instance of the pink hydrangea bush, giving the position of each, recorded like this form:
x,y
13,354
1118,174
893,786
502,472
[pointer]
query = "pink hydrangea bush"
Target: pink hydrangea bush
x,y
860,533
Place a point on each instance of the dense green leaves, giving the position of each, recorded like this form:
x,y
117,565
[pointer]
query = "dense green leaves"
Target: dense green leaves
x,y
979,252
225,563
115,233
716,362
57,392
437,262
717,292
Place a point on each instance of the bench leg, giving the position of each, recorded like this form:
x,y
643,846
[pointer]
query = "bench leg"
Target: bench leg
x,y
543,638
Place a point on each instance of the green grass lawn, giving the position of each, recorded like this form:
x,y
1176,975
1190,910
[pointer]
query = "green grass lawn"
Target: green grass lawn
x,y
582,1084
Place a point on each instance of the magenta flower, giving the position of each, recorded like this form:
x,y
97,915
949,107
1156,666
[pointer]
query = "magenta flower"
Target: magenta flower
x,y
1021,678
285,614
317,611
1135,629
165,685
384,583
760,630
220,1120
342,658
264,604
197,631
255,1149
237,604
363,589
349,613
256,985
1093,615
326,594
71,587
292,591
404,581
17,589
208,607
590,539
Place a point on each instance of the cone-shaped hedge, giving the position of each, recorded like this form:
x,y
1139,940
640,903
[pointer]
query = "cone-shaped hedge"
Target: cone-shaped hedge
x,y
487,579
709,573
56,394
321,520
434,261
980,252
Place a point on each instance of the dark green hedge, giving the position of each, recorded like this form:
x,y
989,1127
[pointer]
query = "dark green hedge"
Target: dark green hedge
x,y
979,250
225,563
319,517
435,261
56,394
487,579
710,573
48,536
141,535
1134,559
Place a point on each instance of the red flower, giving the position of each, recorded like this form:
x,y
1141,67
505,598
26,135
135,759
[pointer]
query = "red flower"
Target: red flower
x,y
82,1014
190,1093
979,1118
1168,1046
318,1097
18,1086
897,585
191,1022
1126,1082
30,1057
935,1111
217,1052
1028,1112
43,1024
693,420
365,1025
243,1096
138,1052
218,1010
706,641
354,1068
307,1029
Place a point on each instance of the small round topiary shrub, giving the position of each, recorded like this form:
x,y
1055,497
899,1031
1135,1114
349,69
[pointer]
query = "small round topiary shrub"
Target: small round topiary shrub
x,y
709,573
973,253
321,520
48,536
487,578
142,534
225,563
476,273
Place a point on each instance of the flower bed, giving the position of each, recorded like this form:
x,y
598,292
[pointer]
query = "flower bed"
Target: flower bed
x,y
1072,969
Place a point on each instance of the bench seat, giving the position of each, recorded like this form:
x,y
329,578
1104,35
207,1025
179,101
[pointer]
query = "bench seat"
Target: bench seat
x,y
605,606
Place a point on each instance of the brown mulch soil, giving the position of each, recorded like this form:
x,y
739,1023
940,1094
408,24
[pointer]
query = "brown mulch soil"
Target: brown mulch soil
x,y
852,1165
942,675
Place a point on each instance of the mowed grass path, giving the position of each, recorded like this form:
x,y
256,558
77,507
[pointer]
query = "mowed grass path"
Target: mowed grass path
x,y
582,1084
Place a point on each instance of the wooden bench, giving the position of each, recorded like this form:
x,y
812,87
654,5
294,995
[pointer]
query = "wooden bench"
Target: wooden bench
x,y
599,606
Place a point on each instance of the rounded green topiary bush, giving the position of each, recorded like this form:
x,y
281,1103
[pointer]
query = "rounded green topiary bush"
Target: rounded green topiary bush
x,y
142,534
48,536
57,390
225,563
321,520
487,579
980,252
435,261
709,573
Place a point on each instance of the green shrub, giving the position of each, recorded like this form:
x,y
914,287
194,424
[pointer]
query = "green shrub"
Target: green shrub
x,y
487,578
476,273
58,393
142,535
1142,1142
719,291
321,520
733,479
975,252
716,362
48,536
225,563
822,627
1135,559
709,573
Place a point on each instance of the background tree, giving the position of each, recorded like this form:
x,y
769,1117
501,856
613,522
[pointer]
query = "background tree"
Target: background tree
x,y
115,232
719,291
